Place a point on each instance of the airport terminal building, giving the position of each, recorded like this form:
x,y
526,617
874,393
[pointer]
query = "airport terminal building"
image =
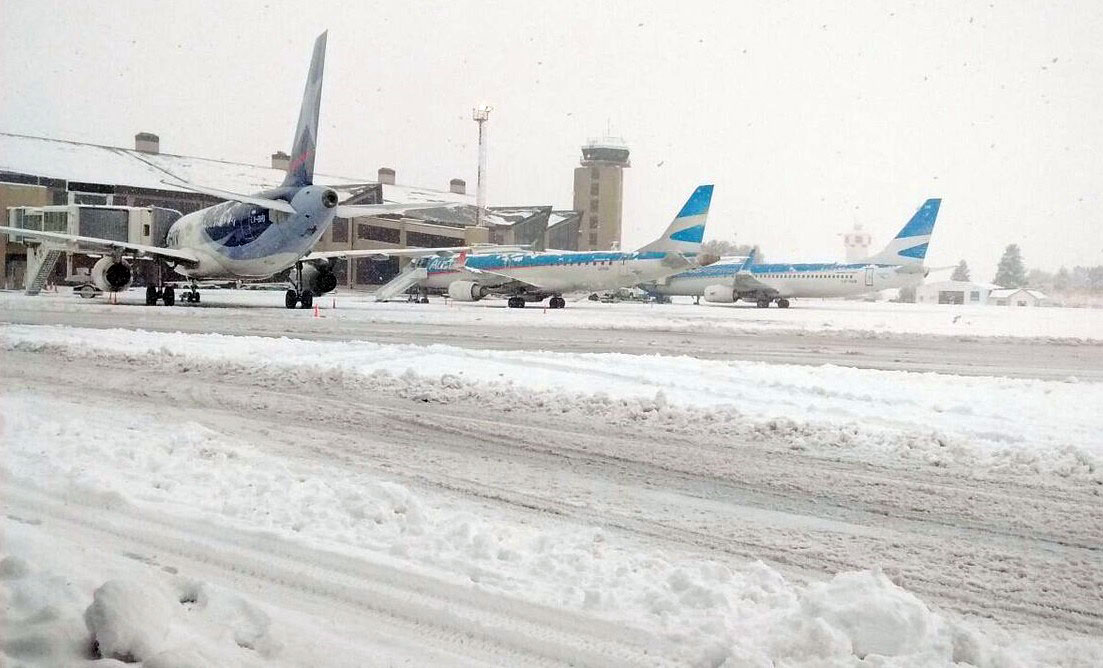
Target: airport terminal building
x,y
66,182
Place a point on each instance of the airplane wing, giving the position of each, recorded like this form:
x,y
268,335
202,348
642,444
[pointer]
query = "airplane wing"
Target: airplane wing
x,y
383,253
78,244
746,282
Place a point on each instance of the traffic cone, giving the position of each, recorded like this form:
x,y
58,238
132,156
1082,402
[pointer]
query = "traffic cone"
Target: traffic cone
x,y
316,311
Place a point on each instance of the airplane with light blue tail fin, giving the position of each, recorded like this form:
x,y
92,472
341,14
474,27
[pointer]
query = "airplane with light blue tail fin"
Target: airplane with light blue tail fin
x,y
898,265
528,276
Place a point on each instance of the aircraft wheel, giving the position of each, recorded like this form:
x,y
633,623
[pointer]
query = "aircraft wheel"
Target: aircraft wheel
x,y
763,303
307,299
557,302
169,296
151,295
423,300
516,302
290,299
783,303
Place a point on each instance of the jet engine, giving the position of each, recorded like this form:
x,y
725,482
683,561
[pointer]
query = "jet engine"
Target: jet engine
x,y
111,275
466,291
720,294
319,280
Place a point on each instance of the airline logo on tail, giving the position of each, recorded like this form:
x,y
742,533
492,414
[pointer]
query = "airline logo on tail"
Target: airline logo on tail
x,y
687,230
910,245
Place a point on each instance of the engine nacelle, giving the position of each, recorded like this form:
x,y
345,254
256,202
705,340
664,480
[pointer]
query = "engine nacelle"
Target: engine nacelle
x,y
466,291
110,275
318,280
720,294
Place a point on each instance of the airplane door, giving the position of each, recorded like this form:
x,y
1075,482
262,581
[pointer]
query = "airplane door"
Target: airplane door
x,y
869,276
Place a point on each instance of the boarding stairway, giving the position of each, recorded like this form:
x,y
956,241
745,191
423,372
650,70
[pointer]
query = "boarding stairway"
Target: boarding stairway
x,y
401,283
41,260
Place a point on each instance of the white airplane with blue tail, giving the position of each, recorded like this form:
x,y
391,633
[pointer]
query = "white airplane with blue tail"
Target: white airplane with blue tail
x,y
533,276
899,265
248,236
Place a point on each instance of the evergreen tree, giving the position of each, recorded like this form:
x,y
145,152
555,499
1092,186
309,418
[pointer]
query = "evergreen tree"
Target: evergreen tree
x,y
1063,280
1011,272
961,272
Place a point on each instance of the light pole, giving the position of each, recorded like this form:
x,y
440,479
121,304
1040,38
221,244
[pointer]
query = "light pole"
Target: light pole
x,y
481,114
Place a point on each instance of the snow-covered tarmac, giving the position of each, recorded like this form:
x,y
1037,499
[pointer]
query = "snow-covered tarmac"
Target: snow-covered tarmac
x,y
251,500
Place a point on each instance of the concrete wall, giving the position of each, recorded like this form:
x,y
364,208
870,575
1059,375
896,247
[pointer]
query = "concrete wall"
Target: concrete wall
x,y
609,200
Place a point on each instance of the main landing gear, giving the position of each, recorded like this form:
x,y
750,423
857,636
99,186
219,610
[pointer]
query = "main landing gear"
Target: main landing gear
x,y
557,302
295,297
765,303
162,292
516,302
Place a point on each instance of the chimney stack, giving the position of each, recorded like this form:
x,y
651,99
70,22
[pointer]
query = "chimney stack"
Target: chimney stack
x,y
281,160
147,142
386,176
458,186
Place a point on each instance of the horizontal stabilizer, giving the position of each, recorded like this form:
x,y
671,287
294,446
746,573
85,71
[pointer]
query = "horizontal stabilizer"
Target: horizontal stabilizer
x,y
358,210
273,204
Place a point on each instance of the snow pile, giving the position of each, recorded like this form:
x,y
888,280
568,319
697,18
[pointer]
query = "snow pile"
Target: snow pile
x,y
129,620
988,425
744,613
160,621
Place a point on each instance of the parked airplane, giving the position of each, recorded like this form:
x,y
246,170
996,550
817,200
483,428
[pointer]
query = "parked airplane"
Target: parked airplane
x,y
248,236
899,265
533,276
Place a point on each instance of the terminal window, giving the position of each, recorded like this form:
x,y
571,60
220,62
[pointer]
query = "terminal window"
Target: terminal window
x,y
339,231
377,233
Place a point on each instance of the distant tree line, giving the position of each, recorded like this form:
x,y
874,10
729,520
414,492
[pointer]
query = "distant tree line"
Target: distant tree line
x,y
722,248
1067,284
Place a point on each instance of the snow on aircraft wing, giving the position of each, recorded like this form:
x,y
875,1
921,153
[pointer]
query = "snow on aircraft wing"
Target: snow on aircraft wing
x,y
79,244
383,253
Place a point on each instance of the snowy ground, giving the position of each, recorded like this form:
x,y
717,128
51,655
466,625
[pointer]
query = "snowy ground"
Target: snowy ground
x,y
862,319
188,499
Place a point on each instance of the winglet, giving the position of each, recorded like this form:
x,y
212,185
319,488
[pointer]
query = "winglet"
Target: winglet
x,y
749,262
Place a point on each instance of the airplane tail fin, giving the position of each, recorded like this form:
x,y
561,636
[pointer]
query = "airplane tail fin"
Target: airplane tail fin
x,y
685,232
910,245
300,171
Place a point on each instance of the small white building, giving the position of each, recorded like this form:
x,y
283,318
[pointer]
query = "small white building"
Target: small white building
x,y
953,292
1016,297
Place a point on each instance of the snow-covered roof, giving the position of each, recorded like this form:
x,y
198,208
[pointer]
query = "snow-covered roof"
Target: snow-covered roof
x,y
958,285
110,165
1002,293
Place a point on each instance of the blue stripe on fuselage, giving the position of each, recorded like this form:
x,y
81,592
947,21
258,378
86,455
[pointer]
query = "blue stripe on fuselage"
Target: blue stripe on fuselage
x,y
803,268
500,261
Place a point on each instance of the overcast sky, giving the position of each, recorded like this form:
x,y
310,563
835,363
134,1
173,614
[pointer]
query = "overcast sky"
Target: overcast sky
x,y
808,116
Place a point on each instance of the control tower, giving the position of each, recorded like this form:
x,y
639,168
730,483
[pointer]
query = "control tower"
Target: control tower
x,y
599,192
